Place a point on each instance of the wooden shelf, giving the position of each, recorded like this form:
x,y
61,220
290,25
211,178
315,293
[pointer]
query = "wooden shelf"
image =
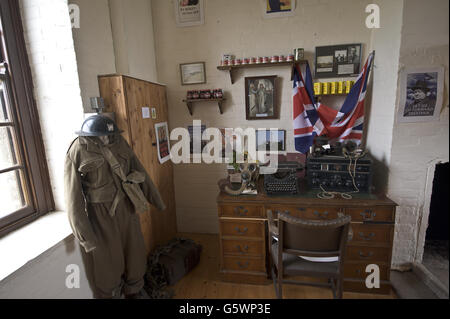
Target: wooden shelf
x,y
231,68
189,103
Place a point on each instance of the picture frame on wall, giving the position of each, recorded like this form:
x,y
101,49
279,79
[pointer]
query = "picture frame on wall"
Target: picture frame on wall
x,y
421,94
193,73
260,98
271,138
278,8
162,142
189,12
335,61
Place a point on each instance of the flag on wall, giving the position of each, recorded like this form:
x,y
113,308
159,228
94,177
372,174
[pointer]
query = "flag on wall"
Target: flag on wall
x,y
313,119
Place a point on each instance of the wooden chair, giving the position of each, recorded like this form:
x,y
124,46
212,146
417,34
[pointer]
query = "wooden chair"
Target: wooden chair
x,y
296,237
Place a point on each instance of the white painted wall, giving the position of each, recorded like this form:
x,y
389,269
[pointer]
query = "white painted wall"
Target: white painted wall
x,y
417,147
132,30
93,46
238,27
51,53
380,115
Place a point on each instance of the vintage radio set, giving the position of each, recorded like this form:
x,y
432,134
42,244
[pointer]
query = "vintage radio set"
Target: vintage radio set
x,y
284,181
339,173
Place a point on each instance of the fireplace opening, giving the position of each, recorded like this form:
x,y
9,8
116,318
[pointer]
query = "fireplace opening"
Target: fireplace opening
x,y
436,250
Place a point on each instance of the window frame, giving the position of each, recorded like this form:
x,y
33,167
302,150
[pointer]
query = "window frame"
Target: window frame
x,y
25,117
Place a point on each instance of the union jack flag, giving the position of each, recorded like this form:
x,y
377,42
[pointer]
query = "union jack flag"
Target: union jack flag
x,y
313,119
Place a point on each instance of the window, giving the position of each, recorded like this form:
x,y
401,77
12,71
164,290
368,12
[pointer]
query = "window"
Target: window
x,y
25,192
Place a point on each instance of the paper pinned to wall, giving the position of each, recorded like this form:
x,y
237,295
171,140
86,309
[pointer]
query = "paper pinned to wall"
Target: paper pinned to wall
x,y
145,112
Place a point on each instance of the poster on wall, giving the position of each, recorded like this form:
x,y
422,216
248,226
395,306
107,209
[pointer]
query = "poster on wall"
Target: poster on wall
x,y
421,91
162,142
278,8
189,12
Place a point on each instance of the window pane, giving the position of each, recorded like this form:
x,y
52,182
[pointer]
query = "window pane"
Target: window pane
x,y
4,113
11,195
8,156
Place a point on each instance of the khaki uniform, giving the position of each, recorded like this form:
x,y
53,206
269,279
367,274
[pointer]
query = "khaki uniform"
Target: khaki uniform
x,y
103,218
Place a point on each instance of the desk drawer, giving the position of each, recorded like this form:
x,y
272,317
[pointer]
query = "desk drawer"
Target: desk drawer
x,y
358,270
242,228
371,214
372,254
371,234
243,247
314,213
241,211
244,264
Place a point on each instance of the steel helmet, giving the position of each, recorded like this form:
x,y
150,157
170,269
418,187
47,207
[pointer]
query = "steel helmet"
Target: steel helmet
x,y
98,125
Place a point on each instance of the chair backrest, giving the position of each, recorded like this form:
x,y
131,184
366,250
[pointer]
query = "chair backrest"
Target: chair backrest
x,y
313,237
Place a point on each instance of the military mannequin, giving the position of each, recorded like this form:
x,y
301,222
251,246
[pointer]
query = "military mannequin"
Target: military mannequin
x,y
105,187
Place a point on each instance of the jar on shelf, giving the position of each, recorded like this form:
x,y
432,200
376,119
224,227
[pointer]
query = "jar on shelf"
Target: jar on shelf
x,y
218,94
253,60
275,59
290,58
266,59
195,95
189,95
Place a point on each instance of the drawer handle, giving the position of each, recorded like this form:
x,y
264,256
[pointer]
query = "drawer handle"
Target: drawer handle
x,y
245,250
366,238
243,265
361,254
241,211
241,232
368,215
323,215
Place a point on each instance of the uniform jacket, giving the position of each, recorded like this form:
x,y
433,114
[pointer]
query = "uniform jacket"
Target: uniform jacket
x,y
88,178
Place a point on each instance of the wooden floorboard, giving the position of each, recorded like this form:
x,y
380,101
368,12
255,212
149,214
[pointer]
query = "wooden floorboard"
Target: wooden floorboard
x,y
204,282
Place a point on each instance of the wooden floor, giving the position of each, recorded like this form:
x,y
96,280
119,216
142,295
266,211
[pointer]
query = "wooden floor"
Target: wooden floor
x,y
204,283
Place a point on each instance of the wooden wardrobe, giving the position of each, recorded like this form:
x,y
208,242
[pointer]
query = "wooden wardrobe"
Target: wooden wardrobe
x,y
126,97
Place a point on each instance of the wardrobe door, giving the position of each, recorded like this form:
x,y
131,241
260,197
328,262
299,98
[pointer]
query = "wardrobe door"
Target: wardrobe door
x,y
158,226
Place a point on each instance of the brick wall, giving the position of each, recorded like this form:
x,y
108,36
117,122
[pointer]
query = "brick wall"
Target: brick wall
x,y
417,147
49,41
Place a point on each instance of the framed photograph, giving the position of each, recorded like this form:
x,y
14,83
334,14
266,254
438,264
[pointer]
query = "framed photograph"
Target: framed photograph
x,y
421,93
162,141
278,8
193,73
260,98
338,60
189,12
271,138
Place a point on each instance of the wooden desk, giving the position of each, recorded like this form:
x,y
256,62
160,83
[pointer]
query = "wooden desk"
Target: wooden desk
x,y
243,234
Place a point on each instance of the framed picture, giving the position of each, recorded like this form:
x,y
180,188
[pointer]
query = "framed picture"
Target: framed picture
x,y
421,93
193,73
338,60
189,12
162,141
271,138
260,98
278,8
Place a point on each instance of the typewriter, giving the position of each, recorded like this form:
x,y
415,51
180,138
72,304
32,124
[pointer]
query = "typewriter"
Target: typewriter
x,y
284,181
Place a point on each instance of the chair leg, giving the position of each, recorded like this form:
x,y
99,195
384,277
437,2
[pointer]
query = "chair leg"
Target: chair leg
x,y
339,288
333,287
280,285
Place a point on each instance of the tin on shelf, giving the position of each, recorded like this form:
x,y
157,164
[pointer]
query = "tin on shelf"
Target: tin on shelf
x,y
290,58
253,60
195,95
299,54
266,59
189,95
275,59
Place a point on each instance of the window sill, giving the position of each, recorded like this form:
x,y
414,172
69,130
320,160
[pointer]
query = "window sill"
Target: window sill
x,y
28,242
